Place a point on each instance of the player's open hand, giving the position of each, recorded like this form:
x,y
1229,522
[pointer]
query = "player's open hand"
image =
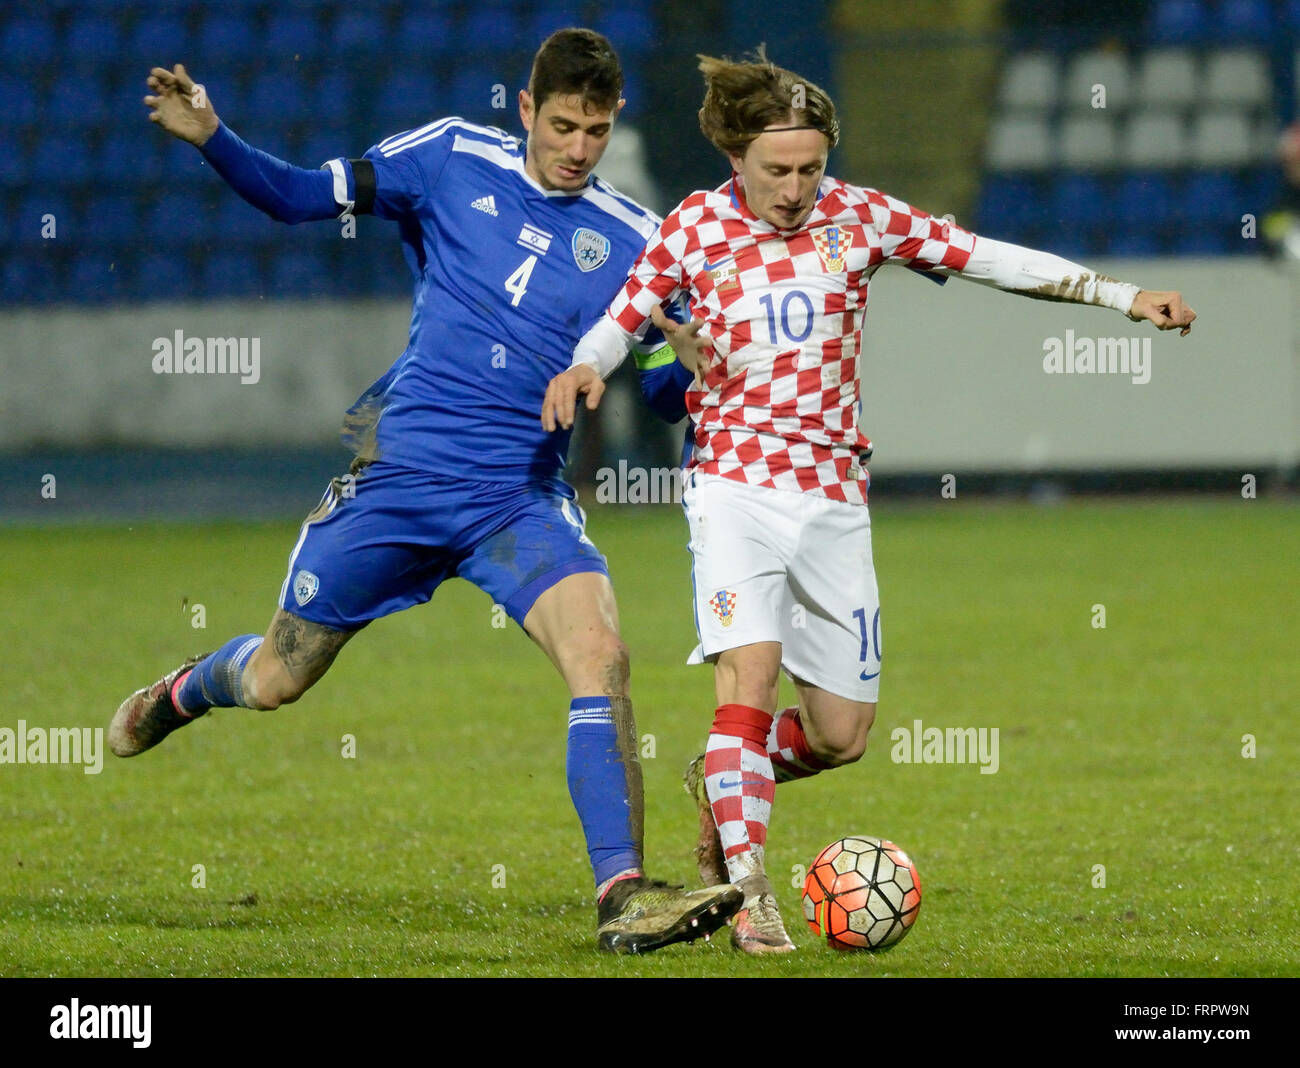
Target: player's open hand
x,y
1166,310
685,339
562,396
180,106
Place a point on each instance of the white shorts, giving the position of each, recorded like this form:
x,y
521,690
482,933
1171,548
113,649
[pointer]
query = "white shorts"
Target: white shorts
x,y
775,566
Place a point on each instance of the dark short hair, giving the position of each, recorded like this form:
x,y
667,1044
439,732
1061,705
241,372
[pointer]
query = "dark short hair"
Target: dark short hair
x,y
577,62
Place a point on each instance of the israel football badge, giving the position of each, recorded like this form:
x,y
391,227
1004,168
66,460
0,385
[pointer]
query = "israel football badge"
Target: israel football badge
x,y
305,585
590,249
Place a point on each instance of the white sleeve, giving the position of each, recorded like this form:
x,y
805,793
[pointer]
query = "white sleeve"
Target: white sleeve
x,y
1044,276
604,347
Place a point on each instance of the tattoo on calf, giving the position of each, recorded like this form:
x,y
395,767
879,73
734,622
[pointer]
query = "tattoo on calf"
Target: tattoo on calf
x,y
305,648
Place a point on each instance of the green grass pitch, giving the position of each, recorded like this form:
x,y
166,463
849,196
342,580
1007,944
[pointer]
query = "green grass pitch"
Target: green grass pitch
x,y
1161,748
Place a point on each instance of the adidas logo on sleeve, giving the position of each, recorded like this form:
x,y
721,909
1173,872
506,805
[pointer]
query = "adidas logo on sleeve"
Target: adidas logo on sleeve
x,y
487,204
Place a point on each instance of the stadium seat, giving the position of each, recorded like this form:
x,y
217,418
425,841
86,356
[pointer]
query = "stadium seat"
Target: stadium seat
x,y
1180,22
1223,138
551,17
471,95
299,273
424,33
293,35
1203,241
635,93
96,276
1009,205
13,163
1214,197
490,30
632,32
60,158
28,42
408,99
130,154
1104,68
1167,78
111,220
1020,144
1031,83
160,39
1245,20
224,38
1132,243
29,279
1089,141
174,219
1156,139
1238,78
280,99
359,34
1144,200
229,273
92,38
76,102
1081,198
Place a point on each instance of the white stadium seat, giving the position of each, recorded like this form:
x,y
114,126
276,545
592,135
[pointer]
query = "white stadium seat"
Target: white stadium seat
x,y
1157,139
1166,78
1108,69
1018,143
1089,141
1238,77
1223,138
1031,82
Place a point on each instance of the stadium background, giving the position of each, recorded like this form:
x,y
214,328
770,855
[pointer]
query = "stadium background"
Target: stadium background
x,y
979,109
1123,746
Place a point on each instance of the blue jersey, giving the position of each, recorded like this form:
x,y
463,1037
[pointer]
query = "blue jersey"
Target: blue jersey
x,y
508,277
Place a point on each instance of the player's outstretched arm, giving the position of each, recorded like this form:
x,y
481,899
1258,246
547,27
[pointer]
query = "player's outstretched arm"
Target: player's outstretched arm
x,y
180,106
1164,308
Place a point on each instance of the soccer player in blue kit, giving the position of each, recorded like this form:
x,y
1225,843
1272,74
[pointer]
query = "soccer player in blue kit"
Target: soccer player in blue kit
x,y
516,248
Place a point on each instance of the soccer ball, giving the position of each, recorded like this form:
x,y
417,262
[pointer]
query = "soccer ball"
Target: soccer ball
x,y
861,893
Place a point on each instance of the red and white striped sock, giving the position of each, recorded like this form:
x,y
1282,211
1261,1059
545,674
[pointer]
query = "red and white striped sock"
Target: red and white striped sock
x,y
740,782
787,746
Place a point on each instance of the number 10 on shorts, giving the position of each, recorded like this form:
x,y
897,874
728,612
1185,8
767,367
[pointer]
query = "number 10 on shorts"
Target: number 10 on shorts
x,y
870,644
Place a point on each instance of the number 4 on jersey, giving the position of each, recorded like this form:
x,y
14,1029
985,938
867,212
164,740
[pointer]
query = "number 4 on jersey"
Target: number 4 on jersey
x,y
517,283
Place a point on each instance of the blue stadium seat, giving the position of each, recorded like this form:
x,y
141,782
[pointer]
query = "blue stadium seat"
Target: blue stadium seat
x,y
59,159
13,161
1180,22
1009,205
551,17
111,220
1081,198
161,40
631,31
225,37
1245,20
1134,244
1144,200
1291,12
1213,197
229,273
359,33
294,33
635,93
131,154
78,101
28,279
28,42
334,97
1210,240
298,272
174,220
96,276
237,220
327,142
22,107
490,29
408,99
93,38
421,34
471,94
276,100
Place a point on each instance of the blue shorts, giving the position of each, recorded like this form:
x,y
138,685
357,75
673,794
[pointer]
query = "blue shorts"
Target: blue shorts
x,y
385,538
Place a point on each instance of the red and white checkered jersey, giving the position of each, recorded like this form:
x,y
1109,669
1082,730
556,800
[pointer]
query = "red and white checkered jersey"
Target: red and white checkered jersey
x,y
784,309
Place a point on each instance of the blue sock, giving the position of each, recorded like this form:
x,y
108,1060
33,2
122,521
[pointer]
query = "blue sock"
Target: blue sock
x,y
598,786
215,682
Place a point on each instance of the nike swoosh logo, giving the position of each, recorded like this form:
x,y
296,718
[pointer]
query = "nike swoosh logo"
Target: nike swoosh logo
x,y
741,782
867,678
714,266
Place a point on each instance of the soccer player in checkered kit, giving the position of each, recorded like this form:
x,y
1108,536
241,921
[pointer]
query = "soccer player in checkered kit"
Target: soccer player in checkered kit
x,y
776,263
515,247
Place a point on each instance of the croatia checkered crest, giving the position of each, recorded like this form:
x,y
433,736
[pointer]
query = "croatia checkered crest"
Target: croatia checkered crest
x,y
862,893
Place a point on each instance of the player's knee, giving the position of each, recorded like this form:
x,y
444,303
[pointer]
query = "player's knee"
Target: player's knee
x,y
613,661
838,752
